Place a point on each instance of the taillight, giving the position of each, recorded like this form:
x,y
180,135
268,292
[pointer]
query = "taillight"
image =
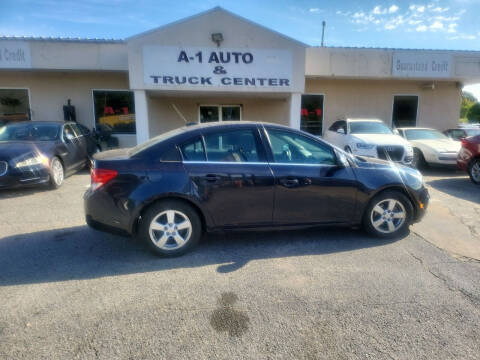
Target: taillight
x,y
102,176
464,142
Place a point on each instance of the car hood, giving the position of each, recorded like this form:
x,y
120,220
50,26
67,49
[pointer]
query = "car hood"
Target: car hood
x,y
440,145
380,139
12,149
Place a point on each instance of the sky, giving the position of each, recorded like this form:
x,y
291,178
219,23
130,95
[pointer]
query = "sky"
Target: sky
x,y
425,24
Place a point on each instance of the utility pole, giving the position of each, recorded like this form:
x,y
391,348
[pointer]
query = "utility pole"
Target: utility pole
x,y
323,32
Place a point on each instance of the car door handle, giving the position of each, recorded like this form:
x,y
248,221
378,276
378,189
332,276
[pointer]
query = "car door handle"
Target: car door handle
x,y
212,178
289,182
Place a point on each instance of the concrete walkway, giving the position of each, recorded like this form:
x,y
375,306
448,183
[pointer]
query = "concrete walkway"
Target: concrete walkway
x,y
452,222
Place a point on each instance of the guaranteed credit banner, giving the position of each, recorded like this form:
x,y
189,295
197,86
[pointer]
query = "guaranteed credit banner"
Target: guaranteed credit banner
x,y
239,69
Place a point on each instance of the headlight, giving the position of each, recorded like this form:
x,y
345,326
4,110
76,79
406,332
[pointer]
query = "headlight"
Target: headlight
x,y
365,146
32,160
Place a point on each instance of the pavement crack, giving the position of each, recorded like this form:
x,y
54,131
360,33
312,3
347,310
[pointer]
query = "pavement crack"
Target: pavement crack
x,y
471,297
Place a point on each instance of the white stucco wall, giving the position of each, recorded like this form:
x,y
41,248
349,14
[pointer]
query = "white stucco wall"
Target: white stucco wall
x,y
438,108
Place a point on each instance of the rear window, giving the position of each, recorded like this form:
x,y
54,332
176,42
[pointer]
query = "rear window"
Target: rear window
x,y
154,141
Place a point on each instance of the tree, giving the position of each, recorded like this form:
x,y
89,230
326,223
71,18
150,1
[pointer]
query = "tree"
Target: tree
x,y
467,101
473,114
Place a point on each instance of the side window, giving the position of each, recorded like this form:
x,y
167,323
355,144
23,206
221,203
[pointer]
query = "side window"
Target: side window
x,y
83,129
68,132
193,150
232,146
289,147
334,126
171,154
77,130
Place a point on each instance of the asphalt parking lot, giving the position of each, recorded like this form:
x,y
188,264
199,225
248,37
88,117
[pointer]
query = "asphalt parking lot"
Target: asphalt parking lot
x,y
69,292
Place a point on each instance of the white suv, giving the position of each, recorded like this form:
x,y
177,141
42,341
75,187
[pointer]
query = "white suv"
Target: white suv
x,y
369,137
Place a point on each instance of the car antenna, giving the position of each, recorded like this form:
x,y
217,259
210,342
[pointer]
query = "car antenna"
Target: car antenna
x,y
179,113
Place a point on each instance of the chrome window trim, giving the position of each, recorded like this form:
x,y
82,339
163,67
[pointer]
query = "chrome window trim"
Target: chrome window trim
x,y
253,163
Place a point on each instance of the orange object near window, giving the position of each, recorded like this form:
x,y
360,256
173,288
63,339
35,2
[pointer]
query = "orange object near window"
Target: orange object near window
x,y
304,112
125,110
318,112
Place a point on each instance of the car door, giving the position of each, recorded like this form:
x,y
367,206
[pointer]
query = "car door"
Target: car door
x,y
310,185
73,157
81,141
232,178
90,142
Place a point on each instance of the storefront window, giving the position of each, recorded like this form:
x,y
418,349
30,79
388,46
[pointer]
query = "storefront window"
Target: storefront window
x,y
210,113
115,109
14,105
312,114
405,110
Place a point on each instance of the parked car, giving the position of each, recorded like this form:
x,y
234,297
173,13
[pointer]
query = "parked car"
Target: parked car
x,y
371,138
469,158
461,133
242,175
431,147
42,152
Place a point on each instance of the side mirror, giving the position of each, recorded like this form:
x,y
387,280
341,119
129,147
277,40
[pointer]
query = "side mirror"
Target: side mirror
x,y
341,131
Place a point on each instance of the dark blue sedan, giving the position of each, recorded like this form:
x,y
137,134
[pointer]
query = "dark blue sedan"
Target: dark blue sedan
x,y
243,175
43,152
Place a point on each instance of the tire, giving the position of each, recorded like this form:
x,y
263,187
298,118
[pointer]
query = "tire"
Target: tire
x,y
380,220
418,161
474,171
57,173
165,239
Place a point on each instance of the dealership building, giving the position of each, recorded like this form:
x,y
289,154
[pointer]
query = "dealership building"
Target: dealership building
x,y
217,66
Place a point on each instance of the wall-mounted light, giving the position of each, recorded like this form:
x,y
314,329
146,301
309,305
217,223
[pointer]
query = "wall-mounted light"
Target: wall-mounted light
x,y
217,38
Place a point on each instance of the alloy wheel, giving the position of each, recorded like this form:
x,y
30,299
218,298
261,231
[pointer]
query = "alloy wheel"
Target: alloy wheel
x,y
475,171
388,216
170,230
57,172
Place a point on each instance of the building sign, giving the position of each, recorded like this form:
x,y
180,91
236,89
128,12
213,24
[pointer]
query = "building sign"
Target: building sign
x,y
174,67
15,55
412,64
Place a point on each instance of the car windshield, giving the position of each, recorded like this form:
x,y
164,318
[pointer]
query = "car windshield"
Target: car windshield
x,y
29,132
472,132
369,127
424,134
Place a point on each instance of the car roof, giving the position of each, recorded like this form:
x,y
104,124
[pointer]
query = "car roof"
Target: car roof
x,y
363,119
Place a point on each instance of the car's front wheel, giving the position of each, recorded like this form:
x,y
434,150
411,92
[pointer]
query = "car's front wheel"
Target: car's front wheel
x,y
474,171
57,173
389,214
171,228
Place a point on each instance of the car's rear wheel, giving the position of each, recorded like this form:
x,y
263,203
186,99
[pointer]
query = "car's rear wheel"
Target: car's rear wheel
x,y
388,214
171,228
474,171
418,161
57,173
